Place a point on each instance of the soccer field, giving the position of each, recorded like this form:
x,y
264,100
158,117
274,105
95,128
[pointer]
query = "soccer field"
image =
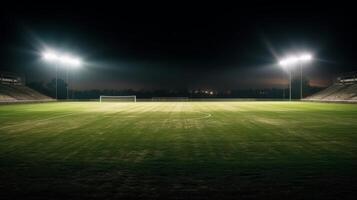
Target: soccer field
x,y
178,150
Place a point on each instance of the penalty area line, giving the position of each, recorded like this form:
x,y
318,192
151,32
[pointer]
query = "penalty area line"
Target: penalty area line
x,y
37,121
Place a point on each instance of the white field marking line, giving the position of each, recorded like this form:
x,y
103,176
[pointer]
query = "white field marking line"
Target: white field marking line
x,y
50,118
207,115
41,120
61,116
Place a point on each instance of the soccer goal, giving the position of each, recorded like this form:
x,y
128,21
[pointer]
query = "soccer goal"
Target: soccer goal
x,y
117,98
169,99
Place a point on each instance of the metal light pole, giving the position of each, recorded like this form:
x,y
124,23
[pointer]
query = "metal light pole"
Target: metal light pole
x,y
56,66
67,84
289,85
300,80
283,88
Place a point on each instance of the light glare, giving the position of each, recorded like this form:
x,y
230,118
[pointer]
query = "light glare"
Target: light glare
x,y
62,58
49,56
305,57
291,60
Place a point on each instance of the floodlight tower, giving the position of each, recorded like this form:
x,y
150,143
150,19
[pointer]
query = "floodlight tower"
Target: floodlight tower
x,y
64,59
291,61
286,64
302,59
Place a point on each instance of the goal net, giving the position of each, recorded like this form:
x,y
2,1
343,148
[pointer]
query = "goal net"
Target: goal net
x,y
117,98
169,99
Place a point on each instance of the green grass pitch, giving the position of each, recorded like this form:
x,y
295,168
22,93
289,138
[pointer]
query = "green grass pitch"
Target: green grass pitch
x,y
178,150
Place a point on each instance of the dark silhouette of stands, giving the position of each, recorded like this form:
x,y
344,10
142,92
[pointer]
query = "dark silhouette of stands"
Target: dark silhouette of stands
x,y
9,93
343,90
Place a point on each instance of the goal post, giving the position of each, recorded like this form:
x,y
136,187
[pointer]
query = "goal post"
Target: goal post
x,y
104,98
169,99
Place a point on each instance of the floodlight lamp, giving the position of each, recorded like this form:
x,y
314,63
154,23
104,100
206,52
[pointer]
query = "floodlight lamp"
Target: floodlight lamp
x,y
282,63
62,58
50,56
305,57
291,60
76,63
69,60
288,61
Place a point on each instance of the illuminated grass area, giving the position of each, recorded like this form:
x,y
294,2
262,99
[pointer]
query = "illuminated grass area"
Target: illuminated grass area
x,y
178,150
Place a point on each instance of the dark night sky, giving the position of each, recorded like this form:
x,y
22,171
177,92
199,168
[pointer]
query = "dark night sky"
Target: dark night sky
x,y
179,46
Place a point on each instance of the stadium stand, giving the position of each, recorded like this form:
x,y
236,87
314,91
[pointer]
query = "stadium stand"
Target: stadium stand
x,y
343,90
12,90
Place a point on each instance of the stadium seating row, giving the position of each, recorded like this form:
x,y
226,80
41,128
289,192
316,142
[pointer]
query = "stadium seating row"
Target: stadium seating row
x,y
336,92
13,93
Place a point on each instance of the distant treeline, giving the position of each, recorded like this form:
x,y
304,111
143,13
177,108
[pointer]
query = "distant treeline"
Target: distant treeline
x,y
49,89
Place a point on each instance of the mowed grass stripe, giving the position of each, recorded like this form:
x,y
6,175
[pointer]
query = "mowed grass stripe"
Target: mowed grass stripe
x,y
149,146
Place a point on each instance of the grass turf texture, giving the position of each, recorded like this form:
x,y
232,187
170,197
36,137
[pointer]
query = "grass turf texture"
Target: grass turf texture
x,y
179,150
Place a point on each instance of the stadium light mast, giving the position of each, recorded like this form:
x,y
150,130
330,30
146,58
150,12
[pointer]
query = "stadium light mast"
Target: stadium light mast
x,y
63,59
303,59
293,60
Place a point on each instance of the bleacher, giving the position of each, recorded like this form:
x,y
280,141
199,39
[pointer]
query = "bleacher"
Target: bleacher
x,y
343,90
12,90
